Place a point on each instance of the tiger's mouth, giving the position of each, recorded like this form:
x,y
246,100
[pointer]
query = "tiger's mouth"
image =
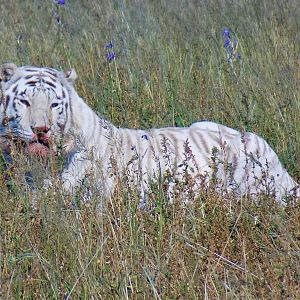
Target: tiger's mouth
x,y
41,135
41,142
43,139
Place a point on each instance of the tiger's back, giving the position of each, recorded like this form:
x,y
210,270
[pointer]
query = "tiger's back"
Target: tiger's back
x,y
240,162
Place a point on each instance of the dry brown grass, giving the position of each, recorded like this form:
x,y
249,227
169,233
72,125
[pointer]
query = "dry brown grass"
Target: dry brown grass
x,y
170,70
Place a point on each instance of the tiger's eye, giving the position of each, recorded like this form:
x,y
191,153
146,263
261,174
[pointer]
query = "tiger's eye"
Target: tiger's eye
x,y
53,105
25,102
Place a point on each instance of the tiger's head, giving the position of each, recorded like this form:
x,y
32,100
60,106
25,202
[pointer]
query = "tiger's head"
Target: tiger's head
x,y
35,101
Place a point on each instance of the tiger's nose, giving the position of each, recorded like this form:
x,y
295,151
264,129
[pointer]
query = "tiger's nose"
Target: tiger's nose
x,y
41,133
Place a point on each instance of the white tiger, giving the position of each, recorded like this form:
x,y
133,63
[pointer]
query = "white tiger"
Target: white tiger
x,y
39,104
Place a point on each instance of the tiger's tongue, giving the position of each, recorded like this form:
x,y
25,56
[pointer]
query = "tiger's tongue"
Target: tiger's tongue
x,y
38,149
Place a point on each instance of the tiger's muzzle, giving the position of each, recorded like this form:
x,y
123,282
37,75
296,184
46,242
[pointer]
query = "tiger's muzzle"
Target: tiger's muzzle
x,y
41,135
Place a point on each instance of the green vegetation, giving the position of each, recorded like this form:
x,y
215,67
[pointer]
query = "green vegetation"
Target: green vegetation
x,y
170,69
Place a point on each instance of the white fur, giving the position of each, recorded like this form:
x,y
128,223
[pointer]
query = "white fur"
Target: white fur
x,y
205,152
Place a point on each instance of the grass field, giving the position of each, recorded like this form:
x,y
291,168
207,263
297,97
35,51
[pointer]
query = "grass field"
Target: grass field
x,y
170,68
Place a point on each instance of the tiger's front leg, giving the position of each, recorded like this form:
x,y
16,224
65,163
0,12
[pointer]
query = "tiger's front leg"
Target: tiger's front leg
x,y
78,166
100,180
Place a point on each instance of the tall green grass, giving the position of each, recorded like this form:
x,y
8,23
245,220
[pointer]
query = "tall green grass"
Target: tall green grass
x,y
170,69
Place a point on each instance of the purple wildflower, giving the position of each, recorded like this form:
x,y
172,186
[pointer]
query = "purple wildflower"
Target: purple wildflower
x,y
226,43
111,56
226,32
230,45
109,46
61,2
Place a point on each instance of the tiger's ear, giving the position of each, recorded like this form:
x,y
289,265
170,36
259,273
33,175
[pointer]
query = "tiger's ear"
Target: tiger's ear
x,y
7,71
71,75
